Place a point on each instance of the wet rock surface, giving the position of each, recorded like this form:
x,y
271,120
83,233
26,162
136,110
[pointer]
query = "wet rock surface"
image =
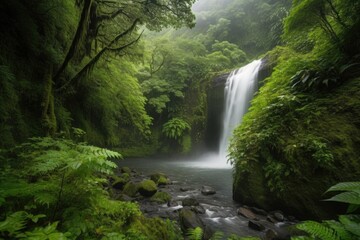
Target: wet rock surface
x,y
191,207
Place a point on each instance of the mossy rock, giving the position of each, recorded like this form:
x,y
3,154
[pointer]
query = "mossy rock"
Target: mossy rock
x,y
147,188
119,183
130,189
159,179
126,176
125,170
161,197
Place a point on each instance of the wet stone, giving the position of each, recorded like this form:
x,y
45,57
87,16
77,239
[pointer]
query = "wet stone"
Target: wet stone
x,y
247,213
278,216
190,202
206,190
256,226
198,209
271,235
271,219
259,211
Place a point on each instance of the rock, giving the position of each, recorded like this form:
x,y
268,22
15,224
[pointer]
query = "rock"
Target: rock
x,y
206,190
278,216
271,219
185,189
160,179
119,183
259,211
125,170
125,198
189,219
130,189
190,202
161,197
126,176
271,235
247,213
256,226
147,188
198,209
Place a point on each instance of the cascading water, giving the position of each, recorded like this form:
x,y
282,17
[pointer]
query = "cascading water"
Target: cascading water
x,y
239,90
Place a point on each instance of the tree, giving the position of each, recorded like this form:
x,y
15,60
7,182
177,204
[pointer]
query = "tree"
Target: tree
x,y
107,27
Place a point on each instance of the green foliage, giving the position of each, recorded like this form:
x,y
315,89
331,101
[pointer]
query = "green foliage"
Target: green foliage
x,y
348,225
195,234
46,180
175,128
295,132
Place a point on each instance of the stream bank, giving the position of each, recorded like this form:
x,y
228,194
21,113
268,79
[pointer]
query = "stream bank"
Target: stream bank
x,y
199,197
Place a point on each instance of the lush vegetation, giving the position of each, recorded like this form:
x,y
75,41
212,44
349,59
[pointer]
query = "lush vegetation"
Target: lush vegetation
x,y
301,134
347,227
117,74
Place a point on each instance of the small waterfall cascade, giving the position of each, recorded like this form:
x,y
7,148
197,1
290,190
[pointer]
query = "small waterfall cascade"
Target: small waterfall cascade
x,y
239,90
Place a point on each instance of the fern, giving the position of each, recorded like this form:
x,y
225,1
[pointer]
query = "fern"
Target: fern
x,y
13,223
217,236
318,230
195,233
175,128
348,226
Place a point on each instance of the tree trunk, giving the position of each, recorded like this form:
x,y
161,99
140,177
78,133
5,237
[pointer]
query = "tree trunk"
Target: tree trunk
x,y
48,110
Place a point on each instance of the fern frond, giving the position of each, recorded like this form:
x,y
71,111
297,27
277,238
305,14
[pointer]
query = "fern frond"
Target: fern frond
x,y
195,233
318,230
346,197
351,223
217,236
13,223
345,186
339,229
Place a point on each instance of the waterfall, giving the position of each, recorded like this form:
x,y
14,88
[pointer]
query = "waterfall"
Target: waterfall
x,y
239,90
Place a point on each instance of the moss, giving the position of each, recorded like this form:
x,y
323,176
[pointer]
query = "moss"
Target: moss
x,y
119,182
130,189
161,197
291,147
147,188
159,179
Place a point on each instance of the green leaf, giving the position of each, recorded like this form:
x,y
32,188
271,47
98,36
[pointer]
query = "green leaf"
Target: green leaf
x,y
346,197
345,186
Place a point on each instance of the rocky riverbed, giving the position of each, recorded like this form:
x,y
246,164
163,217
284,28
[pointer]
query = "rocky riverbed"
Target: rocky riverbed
x,y
197,205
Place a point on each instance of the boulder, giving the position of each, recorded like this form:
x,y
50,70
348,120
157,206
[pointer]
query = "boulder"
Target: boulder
x,y
161,197
119,183
198,209
125,170
190,202
279,216
256,225
271,234
185,189
189,219
247,213
271,219
206,190
159,178
147,188
258,211
130,189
